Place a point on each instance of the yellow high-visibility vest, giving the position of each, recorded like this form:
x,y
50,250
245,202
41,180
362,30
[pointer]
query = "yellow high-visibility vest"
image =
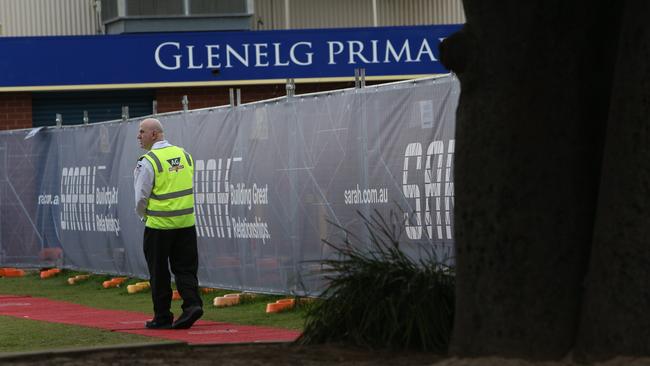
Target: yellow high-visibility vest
x,y
171,204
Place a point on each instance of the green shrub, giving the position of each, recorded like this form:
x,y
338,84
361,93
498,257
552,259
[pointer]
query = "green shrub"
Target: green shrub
x,y
379,297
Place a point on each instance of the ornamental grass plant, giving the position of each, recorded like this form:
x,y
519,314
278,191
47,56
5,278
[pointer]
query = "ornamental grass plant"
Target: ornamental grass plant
x,y
379,297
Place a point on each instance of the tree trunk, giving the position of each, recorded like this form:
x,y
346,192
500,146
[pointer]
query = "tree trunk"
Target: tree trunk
x,y
535,86
615,318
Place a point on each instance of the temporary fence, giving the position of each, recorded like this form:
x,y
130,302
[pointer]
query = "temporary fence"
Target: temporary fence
x,y
273,179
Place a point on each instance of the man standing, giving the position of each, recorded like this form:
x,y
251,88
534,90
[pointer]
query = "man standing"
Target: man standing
x,y
164,198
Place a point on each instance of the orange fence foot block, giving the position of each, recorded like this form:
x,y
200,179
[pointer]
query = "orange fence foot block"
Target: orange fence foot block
x,y
77,279
138,287
231,299
227,300
280,305
114,282
50,273
11,272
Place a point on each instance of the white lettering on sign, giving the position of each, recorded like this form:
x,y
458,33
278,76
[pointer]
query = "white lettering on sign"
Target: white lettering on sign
x,y
278,61
438,190
261,57
335,48
412,190
190,52
307,58
212,55
177,58
216,195
231,52
82,201
357,196
174,56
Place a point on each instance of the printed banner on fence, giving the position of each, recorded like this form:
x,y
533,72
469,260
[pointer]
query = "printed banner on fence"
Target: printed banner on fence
x,y
273,180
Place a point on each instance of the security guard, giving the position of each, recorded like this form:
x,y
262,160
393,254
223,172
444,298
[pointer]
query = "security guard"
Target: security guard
x,y
163,180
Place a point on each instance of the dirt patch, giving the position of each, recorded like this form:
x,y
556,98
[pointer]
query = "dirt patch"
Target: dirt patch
x,y
272,354
245,355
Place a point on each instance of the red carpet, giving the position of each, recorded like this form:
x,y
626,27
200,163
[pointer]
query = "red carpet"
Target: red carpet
x,y
203,331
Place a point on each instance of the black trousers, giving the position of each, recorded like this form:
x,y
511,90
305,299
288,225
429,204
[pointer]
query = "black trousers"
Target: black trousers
x,y
175,249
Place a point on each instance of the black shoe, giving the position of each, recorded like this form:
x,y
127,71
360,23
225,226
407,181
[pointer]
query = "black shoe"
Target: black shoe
x,y
159,324
188,318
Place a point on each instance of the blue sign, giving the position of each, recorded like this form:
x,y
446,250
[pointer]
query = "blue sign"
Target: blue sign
x,y
219,57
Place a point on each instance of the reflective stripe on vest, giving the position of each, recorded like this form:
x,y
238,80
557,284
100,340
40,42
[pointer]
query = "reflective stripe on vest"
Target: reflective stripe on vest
x,y
167,196
171,203
184,211
156,161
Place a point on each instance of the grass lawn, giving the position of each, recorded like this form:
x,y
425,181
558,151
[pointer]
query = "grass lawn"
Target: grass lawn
x,y
23,335
91,293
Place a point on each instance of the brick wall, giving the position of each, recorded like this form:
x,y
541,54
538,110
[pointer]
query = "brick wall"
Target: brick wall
x,y
16,108
169,99
15,111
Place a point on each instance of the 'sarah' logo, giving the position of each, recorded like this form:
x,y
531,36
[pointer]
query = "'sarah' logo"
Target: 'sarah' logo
x,y
175,164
